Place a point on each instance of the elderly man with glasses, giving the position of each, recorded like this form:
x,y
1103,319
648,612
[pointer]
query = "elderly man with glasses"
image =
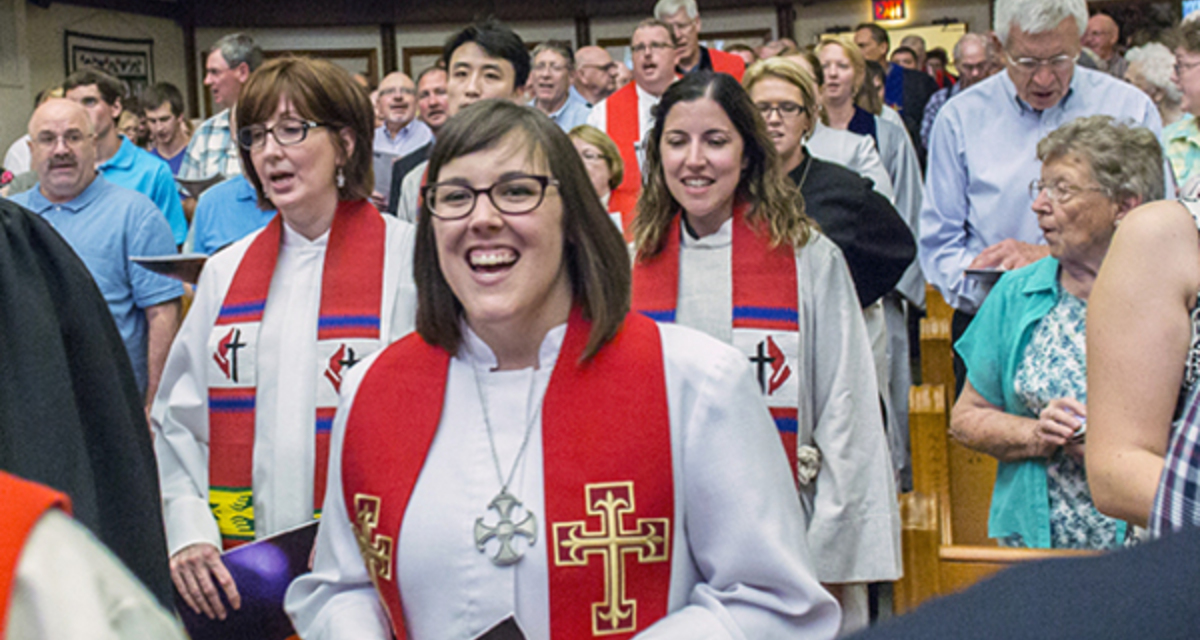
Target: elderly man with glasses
x,y
975,213
683,17
627,114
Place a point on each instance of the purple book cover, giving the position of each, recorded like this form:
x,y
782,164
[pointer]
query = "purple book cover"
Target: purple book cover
x,y
262,571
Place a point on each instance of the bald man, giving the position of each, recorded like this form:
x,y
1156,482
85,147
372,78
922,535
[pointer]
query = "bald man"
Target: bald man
x,y
1101,37
401,132
106,225
595,75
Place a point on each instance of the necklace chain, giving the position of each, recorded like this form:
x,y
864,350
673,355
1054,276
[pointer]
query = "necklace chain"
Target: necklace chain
x,y
530,419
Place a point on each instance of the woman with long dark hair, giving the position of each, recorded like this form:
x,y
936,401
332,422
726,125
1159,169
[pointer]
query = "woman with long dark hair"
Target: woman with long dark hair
x,y
724,246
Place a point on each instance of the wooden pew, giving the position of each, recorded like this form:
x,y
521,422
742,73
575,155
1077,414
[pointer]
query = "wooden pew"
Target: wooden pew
x,y
944,518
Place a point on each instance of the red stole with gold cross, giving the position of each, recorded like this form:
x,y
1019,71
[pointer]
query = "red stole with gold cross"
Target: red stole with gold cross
x,y
623,125
609,489
765,311
347,331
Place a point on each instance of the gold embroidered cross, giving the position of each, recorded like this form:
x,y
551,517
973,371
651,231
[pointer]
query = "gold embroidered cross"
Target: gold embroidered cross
x,y
376,549
649,540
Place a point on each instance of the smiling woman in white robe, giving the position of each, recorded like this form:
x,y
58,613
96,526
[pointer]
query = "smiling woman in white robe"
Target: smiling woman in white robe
x,y
540,390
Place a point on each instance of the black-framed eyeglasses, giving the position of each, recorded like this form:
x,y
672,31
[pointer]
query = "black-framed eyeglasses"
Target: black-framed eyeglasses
x,y
513,195
785,109
1059,192
287,131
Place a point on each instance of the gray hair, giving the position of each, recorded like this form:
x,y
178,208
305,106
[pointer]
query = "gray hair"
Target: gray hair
x,y
237,48
561,47
990,50
1037,16
1157,64
665,8
1126,159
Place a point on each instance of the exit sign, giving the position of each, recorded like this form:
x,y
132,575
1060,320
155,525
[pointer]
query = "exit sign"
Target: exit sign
x,y
890,9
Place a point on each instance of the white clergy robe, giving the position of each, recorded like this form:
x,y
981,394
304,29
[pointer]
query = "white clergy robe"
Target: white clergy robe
x,y
740,567
69,585
285,416
853,517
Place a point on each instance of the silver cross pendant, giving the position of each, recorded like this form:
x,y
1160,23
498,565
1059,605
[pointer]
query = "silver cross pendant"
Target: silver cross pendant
x,y
505,530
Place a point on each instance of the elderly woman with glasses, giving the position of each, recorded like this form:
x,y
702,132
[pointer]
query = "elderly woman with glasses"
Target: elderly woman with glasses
x,y
1025,399
535,457
251,383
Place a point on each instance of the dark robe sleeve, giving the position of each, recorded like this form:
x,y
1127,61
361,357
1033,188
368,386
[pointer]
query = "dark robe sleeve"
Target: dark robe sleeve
x,y
71,416
877,244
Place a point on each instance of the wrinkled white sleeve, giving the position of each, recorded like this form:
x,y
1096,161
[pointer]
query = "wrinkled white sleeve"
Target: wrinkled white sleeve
x,y
179,418
900,159
854,529
338,600
742,522
68,585
410,194
867,163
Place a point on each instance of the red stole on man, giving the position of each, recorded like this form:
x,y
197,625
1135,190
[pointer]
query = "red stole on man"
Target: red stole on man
x,y
607,473
24,504
727,63
347,331
624,127
765,311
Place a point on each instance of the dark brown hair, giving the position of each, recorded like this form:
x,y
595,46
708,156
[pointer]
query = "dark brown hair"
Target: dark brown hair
x,y
595,255
319,91
763,183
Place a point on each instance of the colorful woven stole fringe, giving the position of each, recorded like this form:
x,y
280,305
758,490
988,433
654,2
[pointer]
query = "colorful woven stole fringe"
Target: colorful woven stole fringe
x,y
348,329
622,122
607,474
765,311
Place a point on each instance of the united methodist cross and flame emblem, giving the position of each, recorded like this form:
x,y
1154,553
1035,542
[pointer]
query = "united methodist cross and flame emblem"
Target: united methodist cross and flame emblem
x,y
768,354
339,362
226,356
648,541
376,548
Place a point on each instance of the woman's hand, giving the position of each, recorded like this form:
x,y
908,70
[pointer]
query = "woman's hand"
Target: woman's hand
x,y
1058,422
193,569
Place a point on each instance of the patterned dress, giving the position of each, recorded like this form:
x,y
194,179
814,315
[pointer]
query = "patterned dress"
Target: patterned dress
x,y
1054,365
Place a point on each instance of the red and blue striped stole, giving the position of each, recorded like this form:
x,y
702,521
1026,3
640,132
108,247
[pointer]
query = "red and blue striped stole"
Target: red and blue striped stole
x,y
348,329
765,311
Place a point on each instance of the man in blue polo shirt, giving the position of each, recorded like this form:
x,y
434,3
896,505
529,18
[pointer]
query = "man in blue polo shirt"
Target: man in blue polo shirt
x,y
117,159
226,213
106,225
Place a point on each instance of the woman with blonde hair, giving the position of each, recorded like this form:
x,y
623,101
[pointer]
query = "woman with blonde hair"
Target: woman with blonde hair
x,y
603,162
724,246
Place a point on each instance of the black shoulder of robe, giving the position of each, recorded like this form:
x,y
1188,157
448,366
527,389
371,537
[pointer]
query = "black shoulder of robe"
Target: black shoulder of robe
x,y
876,242
70,413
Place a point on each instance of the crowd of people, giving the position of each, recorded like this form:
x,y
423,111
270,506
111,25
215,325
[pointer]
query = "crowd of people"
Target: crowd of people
x,y
549,348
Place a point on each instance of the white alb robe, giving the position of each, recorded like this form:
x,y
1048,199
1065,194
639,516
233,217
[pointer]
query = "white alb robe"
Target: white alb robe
x,y
853,530
69,585
284,448
740,567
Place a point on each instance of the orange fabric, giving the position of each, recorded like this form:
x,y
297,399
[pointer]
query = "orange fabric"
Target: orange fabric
x,y
24,504
623,124
727,63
